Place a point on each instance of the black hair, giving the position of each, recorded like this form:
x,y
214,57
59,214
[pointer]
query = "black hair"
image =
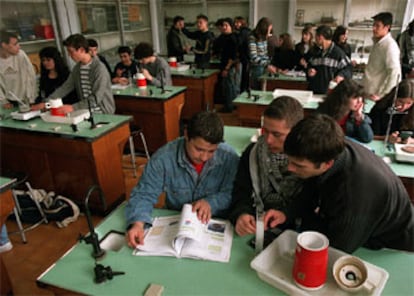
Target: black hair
x,y
324,31
228,20
124,49
177,19
336,104
317,138
339,31
285,108
5,36
77,41
384,17
202,16
143,50
92,42
206,125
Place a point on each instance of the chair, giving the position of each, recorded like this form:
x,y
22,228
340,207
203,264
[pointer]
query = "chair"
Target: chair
x,y
134,133
18,211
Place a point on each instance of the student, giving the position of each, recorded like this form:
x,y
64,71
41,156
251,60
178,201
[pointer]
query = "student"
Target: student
x,y
204,42
5,244
155,69
284,57
340,38
53,73
243,32
345,105
175,46
259,56
305,48
349,194
16,71
406,43
383,65
93,49
89,78
403,119
126,68
329,63
263,167
230,66
196,169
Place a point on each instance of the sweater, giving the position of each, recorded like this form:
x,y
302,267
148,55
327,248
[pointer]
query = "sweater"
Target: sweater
x,y
101,87
18,76
383,67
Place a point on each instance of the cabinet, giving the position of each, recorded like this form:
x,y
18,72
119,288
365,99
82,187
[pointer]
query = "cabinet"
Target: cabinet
x,y
356,15
189,9
32,20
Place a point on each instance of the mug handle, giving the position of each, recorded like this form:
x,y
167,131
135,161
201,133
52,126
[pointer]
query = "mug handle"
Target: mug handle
x,y
368,286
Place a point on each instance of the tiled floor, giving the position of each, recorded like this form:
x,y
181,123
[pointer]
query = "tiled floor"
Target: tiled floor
x,y
47,243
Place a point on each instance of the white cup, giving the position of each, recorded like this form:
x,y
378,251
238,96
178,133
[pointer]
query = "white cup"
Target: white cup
x,y
54,103
351,274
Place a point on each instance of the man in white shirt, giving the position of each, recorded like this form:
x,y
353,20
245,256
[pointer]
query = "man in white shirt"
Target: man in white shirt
x,y
383,66
16,71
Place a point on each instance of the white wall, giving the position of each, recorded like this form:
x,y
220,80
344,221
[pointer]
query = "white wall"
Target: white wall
x,y
277,11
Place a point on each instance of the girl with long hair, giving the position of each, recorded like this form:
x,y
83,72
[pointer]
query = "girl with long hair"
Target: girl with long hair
x,y
345,105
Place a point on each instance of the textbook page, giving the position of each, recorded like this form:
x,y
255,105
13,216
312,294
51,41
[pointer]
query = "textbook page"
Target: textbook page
x,y
158,240
190,228
215,243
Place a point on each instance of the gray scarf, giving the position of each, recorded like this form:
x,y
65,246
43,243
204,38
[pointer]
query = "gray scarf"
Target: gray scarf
x,y
275,185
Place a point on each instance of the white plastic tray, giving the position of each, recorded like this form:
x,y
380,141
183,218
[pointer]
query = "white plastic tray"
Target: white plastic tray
x,y
302,96
402,155
274,266
74,117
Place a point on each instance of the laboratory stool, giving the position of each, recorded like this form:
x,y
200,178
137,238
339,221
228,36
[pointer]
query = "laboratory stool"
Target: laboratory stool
x,y
135,132
18,211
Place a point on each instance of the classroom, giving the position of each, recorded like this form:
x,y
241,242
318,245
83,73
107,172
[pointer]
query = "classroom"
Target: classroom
x,y
206,147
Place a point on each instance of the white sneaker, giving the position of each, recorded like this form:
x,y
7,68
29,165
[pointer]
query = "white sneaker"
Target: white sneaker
x,y
6,247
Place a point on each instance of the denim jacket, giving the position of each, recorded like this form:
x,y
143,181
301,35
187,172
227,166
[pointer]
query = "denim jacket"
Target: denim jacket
x,y
170,171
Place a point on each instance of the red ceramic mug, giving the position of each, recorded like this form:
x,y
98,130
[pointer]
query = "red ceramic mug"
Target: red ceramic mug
x,y
311,260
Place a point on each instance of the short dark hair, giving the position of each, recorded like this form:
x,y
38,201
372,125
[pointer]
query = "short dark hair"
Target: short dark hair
x,y
5,36
317,138
206,125
124,49
92,42
384,17
77,41
228,20
203,17
285,108
143,50
324,31
177,19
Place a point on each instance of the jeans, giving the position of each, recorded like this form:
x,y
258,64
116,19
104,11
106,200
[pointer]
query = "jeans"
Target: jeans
x,y
231,87
255,72
4,238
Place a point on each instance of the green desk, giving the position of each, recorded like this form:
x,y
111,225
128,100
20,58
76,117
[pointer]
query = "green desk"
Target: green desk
x,y
200,89
239,137
271,82
250,111
56,158
73,273
156,113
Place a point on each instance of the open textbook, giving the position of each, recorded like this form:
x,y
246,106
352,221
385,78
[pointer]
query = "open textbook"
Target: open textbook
x,y
185,236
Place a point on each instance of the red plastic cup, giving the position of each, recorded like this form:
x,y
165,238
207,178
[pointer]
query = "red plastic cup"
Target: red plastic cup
x,y
141,81
172,61
311,260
